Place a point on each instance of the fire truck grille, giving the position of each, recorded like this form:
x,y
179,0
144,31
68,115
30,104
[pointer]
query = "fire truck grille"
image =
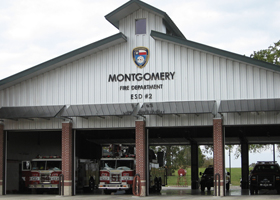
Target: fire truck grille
x,y
45,178
115,178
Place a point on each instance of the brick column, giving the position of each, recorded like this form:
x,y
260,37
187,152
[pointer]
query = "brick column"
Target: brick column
x,y
219,154
1,158
140,144
66,147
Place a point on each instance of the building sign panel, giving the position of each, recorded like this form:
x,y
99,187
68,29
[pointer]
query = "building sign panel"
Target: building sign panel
x,y
141,85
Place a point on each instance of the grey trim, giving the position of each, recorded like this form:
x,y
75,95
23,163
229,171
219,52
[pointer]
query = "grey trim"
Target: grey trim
x,y
81,52
133,5
180,107
98,110
27,112
160,36
249,105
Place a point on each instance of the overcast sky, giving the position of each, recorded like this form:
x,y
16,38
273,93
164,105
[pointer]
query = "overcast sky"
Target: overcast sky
x,y
266,155
34,31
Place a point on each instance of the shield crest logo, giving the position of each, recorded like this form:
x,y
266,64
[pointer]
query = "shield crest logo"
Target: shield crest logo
x,y
140,56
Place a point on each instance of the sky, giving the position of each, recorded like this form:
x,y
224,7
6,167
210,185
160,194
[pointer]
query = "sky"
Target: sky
x,y
35,31
265,155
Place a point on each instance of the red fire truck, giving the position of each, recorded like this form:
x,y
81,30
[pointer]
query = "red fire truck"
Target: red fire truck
x,y
42,172
117,170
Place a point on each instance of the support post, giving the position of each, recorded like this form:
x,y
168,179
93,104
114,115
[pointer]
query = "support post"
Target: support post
x,y
194,166
2,157
67,157
219,155
245,164
141,154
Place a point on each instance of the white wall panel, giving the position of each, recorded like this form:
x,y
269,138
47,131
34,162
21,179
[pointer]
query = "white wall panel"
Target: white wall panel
x,y
256,83
223,78
198,76
190,75
229,80
210,77
236,84
270,86
243,81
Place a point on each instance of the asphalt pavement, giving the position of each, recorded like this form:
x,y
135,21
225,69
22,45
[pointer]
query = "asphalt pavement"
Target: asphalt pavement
x,y
170,193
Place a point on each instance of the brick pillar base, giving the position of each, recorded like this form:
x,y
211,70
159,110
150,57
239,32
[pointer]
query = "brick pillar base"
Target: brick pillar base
x,y
66,148
219,155
1,157
140,144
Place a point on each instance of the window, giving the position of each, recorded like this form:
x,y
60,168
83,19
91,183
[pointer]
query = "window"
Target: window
x,y
140,26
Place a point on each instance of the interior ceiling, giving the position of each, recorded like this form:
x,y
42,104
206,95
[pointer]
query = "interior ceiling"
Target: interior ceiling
x,y
265,134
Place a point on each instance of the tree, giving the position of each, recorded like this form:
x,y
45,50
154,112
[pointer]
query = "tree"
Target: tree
x,y
207,161
178,156
271,55
253,148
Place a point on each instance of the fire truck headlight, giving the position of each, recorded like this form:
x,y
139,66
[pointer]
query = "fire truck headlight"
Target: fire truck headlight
x,y
34,178
127,178
55,178
104,178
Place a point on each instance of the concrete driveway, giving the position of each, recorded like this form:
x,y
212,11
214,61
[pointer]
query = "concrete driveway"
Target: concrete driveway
x,y
169,193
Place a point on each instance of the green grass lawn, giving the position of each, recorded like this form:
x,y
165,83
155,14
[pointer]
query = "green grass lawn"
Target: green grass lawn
x,y
235,176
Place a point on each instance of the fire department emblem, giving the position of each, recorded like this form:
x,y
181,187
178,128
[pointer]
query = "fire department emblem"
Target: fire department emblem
x,y
140,56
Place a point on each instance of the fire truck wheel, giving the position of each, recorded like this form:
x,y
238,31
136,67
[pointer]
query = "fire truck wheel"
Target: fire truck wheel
x,y
156,184
159,184
129,191
91,184
108,191
202,187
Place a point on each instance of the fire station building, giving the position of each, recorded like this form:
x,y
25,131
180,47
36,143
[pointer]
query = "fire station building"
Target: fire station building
x,y
147,85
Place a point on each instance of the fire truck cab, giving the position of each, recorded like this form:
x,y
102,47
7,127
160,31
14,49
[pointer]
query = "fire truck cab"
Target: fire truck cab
x,y
42,172
117,170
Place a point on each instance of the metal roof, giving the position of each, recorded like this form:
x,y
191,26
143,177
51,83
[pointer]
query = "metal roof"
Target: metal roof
x,y
26,112
115,16
63,59
180,107
161,36
98,110
249,105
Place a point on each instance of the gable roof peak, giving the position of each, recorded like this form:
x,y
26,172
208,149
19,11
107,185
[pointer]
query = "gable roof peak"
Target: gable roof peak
x,y
131,6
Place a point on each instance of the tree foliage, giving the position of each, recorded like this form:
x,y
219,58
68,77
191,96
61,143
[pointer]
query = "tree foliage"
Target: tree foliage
x,y
178,156
253,148
208,161
271,55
